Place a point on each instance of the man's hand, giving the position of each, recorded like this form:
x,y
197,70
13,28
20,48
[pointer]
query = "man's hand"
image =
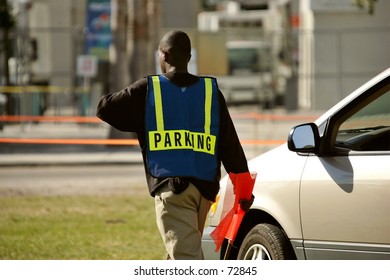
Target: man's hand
x,y
246,204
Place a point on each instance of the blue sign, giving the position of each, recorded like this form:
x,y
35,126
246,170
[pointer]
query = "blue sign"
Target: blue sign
x,y
99,28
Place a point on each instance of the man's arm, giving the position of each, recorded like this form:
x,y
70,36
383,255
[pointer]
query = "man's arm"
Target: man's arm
x,y
230,150
125,110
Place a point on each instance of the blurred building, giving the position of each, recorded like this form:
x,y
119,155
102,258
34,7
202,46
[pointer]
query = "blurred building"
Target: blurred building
x,y
176,15
334,47
341,46
55,27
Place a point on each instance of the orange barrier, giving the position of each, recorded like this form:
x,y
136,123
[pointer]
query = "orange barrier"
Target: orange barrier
x,y
109,141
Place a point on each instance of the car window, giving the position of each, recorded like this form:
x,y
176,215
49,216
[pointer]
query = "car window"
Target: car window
x,y
368,129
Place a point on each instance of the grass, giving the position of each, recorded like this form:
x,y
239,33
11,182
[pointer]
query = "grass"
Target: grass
x,y
79,227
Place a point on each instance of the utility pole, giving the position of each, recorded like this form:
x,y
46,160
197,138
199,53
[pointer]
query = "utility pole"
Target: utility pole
x,y
145,28
7,23
118,70
23,44
135,26
139,24
118,52
154,19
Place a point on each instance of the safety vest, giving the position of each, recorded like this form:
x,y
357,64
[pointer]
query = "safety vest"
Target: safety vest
x,y
182,125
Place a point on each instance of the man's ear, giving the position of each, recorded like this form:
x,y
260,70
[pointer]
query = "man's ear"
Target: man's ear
x,y
165,56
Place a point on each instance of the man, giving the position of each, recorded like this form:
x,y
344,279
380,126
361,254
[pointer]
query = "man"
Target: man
x,y
185,132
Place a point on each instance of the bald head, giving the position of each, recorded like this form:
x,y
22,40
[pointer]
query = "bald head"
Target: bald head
x,y
177,45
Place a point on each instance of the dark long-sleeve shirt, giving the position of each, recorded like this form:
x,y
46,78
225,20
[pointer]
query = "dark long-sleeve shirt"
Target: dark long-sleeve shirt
x,y
125,110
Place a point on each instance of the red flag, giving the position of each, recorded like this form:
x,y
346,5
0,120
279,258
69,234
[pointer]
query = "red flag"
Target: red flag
x,y
243,184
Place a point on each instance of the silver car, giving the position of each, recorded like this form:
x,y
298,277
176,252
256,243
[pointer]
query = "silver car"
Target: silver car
x,y
325,194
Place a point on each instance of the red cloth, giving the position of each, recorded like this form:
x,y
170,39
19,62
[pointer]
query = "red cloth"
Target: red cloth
x,y
243,184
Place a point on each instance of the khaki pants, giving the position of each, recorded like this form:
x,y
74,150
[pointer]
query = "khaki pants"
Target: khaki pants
x,y
180,219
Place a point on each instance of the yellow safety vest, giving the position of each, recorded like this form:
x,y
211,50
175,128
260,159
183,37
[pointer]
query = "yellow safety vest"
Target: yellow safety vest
x,y
182,127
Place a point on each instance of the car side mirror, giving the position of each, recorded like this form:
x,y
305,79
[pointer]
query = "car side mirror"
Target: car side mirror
x,y
304,138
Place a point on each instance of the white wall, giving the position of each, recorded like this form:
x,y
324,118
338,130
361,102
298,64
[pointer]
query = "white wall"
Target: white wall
x,y
350,46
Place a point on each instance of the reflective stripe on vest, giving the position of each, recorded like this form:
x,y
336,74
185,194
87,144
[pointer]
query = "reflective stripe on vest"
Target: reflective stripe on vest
x,y
181,139
158,103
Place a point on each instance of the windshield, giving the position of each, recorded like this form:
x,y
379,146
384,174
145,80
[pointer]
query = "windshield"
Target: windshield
x,y
249,60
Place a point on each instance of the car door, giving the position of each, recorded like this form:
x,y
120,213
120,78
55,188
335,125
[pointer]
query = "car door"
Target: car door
x,y
345,192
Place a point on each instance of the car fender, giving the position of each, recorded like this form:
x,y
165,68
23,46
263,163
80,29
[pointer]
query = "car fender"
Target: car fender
x,y
279,197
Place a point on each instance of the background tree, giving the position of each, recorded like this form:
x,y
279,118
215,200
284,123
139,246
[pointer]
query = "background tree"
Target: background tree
x,y
369,4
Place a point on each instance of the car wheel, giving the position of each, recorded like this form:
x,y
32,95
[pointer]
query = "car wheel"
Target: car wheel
x,y
266,242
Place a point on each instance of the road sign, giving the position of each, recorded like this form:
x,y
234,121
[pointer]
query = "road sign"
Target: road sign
x,y
86,66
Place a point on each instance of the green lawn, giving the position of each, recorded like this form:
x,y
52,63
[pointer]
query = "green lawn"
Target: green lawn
x,y
79,227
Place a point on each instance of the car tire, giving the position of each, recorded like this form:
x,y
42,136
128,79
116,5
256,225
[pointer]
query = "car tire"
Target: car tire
x,y
266,242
